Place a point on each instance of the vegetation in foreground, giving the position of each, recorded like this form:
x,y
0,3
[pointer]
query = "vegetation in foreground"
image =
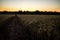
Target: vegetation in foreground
x,y
47,29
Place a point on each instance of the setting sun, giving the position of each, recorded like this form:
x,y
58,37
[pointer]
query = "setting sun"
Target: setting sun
x,y
29,5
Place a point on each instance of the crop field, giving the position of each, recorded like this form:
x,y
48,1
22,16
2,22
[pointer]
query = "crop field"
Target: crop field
x,y
40,27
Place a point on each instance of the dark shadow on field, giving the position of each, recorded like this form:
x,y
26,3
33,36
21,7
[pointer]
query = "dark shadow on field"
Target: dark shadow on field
x,y
13,29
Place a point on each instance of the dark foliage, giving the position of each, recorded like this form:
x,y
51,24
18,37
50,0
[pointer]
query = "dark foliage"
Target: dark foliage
x,y
13,29
32,12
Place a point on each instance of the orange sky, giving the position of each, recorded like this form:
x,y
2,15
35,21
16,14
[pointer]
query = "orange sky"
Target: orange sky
x,y
29,5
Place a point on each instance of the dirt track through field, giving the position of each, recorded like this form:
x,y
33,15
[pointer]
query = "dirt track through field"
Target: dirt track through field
x,y
13,29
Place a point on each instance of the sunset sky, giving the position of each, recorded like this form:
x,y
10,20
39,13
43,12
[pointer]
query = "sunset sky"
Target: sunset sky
x,y
30,5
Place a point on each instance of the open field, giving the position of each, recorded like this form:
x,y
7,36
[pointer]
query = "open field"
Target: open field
x,y
38,27
31,18
4,17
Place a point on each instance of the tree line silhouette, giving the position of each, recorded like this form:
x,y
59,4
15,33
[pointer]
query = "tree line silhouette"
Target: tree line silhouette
x,y
32,12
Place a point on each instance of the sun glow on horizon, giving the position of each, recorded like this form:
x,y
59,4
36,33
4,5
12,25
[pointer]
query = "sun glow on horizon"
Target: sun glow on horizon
x,y
29,5
26,9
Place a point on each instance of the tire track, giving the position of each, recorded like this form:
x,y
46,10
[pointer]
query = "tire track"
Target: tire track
x,y
13,29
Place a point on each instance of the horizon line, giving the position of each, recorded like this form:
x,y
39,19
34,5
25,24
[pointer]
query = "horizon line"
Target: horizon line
x,y
28,11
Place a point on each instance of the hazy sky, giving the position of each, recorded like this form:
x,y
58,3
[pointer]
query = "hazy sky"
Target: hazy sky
x,y
31,5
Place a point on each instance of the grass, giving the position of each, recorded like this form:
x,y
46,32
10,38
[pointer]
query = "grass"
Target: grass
x,y
3,17
41,27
